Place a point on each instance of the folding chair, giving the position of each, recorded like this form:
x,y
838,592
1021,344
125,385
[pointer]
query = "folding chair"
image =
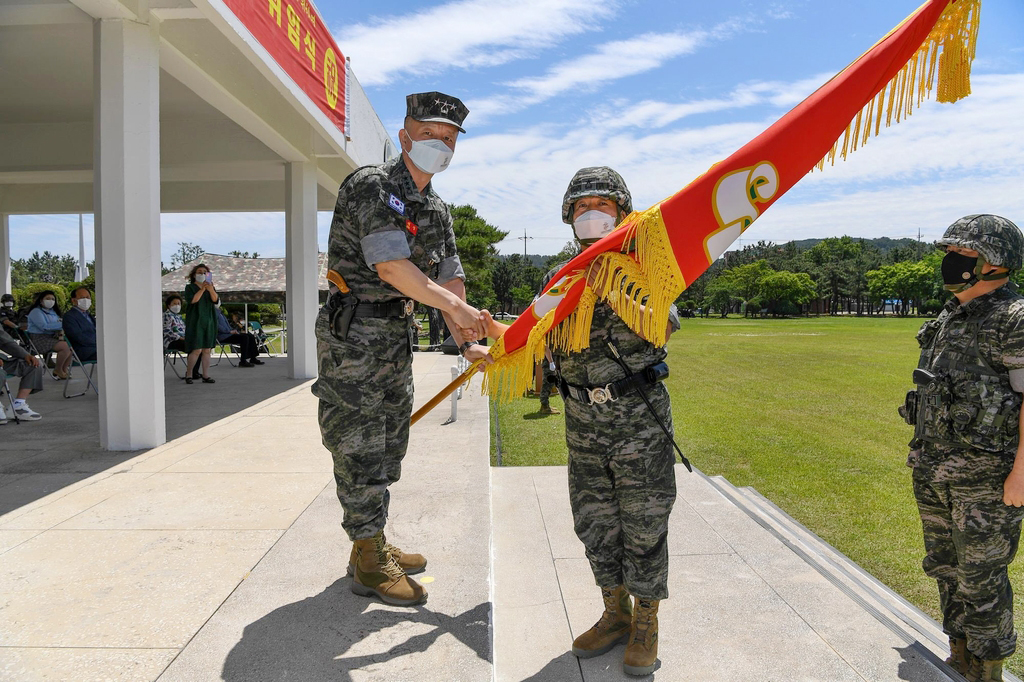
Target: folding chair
x,y
237,350
6,388
76,362
171,358
44,359
263,340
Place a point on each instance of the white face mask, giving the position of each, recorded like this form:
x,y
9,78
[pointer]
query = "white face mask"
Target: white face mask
x,y
48,303
430,156
84,303
176,308
200,278
8,304
593,225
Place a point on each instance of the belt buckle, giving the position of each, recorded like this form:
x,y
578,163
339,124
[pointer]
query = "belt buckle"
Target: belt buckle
x,y
599,395
409,305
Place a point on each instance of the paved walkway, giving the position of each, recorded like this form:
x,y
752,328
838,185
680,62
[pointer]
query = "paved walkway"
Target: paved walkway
x,y
219,556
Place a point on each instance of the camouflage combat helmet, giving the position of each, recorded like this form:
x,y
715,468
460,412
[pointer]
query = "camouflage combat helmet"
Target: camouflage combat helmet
x,y
997,240
596,181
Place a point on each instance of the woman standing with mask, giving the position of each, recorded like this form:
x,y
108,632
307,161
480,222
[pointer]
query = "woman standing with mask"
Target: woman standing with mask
x,y
200,322
46,330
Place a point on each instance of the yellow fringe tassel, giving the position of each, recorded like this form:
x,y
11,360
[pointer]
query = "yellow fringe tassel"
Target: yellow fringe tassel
x,y
639,290
942,63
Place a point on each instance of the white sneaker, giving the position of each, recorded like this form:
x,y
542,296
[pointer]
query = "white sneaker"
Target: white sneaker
x,y
3,416
25,413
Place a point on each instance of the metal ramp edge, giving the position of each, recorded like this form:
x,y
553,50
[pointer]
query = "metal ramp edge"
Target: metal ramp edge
x,y
904,619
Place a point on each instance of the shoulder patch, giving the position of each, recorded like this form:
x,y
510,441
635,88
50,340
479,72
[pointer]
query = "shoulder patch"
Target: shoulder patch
x,y
395,203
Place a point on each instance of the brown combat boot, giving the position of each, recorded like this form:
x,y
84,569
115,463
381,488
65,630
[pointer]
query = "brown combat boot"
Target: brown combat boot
x,y
377,573
984,671
407,561
612,628
959,657
642,650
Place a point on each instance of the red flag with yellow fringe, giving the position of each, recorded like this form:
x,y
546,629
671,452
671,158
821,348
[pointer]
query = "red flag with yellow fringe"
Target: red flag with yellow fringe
x,y
647,262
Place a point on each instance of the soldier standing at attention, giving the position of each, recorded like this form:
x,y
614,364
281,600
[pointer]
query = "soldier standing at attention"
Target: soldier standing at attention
x,y
392,243
621,464
966,451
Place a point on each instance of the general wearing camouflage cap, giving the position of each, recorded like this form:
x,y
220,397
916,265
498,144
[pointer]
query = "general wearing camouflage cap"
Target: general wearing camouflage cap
x,y
995,238
436,107
596,181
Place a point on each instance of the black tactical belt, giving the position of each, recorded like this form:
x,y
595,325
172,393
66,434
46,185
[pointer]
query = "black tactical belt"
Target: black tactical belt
x,y
401,307
599,395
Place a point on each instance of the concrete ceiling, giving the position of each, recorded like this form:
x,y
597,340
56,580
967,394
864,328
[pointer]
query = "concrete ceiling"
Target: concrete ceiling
x,y
228,121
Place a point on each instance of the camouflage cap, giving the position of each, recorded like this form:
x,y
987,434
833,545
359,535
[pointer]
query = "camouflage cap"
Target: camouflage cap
x,y
596,181
436,107
997,239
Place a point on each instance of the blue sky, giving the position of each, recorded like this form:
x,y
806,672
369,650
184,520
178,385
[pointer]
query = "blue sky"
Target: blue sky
x,y
659,90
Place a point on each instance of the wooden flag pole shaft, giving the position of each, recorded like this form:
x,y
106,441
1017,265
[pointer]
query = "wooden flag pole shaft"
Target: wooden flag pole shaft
x,y
445,392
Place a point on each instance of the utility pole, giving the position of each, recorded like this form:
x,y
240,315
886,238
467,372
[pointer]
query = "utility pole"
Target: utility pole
x,y
524,238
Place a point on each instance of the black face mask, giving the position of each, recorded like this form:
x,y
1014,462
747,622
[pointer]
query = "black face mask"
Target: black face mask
x,y
958,271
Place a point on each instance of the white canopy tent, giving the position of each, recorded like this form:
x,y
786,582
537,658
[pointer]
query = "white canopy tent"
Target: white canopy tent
x,y
130,108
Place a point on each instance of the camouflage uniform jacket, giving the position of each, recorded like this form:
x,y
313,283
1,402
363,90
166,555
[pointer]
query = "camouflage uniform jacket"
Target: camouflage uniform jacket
x,y
596,366
974,348
380,215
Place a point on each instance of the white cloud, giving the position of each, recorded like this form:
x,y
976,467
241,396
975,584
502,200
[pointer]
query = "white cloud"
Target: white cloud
x,y
466,34
613,60
946,161
608,62
652,114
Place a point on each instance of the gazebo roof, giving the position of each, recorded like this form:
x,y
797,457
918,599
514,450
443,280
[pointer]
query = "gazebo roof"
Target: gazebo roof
x,y
243,280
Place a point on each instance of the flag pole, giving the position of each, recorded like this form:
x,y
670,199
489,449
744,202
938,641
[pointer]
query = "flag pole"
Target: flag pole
x,y
445,392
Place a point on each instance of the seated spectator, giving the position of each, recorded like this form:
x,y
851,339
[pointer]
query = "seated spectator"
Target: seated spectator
x,y
9,315
245,341
46,331
79,325
20,363
174,326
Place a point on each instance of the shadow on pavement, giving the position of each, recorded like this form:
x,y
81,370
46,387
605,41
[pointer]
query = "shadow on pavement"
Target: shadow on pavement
x,y
921,664
326,638
39,458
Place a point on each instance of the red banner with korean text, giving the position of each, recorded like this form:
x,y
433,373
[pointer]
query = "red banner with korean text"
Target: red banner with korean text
x,y
295,35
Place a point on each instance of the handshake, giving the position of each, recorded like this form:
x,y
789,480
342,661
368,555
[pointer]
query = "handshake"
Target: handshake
x,y
473,325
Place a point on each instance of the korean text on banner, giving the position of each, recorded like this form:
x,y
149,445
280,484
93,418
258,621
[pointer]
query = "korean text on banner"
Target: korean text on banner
x,y
295,35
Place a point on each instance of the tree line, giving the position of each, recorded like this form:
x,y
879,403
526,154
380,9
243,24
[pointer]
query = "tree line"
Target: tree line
x,y
837,275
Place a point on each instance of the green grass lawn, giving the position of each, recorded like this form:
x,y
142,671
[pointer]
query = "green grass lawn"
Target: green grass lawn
x,y
803,410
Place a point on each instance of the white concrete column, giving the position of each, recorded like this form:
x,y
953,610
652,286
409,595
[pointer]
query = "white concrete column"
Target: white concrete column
x,y
126,68
301,297
5,253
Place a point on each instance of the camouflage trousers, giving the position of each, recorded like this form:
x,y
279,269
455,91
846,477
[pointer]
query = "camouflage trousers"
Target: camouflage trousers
x,y
621,488
365,404
970,538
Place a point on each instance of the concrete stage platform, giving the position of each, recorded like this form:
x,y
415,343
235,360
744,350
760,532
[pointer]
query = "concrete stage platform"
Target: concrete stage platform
x,y
220,556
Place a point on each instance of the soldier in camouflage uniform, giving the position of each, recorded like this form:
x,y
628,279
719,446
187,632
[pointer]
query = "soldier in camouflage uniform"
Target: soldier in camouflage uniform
x,y
621,462
392,241
968,470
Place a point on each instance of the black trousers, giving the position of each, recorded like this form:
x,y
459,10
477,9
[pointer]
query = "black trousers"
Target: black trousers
x,y
247,343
